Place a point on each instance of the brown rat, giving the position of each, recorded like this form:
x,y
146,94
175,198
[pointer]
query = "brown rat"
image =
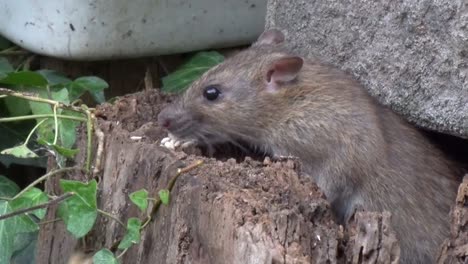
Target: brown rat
x,y
360,153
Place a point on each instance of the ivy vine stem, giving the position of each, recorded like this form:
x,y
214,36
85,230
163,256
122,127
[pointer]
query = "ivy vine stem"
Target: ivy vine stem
x,y
32,131
39,206
28,117
44,177
112,217
169,187
89,131
5,91
56,124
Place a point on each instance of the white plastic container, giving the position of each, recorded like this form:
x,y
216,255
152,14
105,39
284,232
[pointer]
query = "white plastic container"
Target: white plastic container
x,y
104,29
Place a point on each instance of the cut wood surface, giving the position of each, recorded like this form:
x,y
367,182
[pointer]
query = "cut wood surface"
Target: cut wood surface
x,y
224,211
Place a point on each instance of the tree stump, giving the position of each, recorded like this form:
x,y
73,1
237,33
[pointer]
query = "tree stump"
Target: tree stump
x,y
225,211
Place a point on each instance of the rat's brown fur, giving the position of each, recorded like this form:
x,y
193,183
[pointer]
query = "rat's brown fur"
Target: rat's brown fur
x,y
360,153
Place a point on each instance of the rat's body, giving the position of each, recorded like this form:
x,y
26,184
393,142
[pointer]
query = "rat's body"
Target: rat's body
x,y
360,153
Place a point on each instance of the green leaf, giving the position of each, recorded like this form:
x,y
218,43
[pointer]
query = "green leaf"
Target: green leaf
x,y
5,66
7,233
13,134
104,256
20,152
17,106
25,78
98,97
8,188
25,224
164,196
32,197
46,130
67,129
66,152
181,79
61,96
140,199
133,233
54,77
25,248
80,211
94,85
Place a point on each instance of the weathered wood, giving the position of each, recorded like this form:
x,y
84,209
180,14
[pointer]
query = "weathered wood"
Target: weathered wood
x,y
455,249
221,212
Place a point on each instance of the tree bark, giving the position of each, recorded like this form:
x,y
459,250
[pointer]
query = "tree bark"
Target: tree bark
x,y
224,211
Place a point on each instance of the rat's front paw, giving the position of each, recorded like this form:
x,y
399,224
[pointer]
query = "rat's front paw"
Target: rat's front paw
x,y
172,142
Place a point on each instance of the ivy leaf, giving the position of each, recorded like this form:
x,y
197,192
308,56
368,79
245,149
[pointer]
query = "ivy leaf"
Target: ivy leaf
x,y
5,66
66,152
140,199
17,106
25,248
46,130
7,233
181,79
67,129
25,224
164,196
8,188
92,84
54,77
98,97
13,135
24,78
133,233
32,197
61,96
79,212
20,152
104,256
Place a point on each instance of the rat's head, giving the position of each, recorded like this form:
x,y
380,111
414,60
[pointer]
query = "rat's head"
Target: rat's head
x,y
238,99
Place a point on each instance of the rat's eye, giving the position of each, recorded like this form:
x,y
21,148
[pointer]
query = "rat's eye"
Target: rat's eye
x,y
211,93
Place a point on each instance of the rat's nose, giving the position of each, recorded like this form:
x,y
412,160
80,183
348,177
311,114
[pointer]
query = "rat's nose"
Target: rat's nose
x,y
167,117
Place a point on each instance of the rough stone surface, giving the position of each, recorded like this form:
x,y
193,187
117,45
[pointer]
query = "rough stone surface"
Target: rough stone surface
x,y
411,55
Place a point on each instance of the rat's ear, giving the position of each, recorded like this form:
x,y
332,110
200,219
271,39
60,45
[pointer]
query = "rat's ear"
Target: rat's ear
x,y
270,37
281,71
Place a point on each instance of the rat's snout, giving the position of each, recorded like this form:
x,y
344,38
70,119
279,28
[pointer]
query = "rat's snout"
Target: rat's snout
x,y
170,118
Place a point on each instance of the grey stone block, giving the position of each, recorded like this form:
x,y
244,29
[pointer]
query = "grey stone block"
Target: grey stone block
x,y
410,55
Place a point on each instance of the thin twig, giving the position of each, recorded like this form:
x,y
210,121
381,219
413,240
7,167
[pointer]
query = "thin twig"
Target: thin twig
x,y
5,91
32,131
158,202
148,79
27,62
89,131
49,221
123,252
44,177
28,117
39,206
169,187
100,148
56,125
112,217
